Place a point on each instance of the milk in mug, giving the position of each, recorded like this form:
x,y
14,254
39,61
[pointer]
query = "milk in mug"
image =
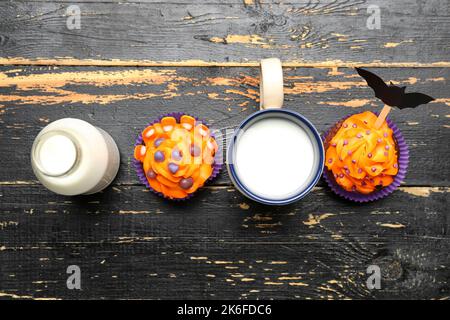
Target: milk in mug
x,y
275,158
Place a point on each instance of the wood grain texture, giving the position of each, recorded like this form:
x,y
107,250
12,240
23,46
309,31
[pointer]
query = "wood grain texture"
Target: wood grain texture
x,y
305,32
132,61
123,100
131,244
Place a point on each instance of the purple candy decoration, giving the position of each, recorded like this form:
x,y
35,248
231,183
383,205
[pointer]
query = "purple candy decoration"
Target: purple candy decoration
x,y
173,167
159,156
158,142
186,183
176,155
151,174
195,150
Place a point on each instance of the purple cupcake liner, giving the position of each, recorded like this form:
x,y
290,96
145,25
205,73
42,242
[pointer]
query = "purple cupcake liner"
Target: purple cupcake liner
x,y
403,160
140,168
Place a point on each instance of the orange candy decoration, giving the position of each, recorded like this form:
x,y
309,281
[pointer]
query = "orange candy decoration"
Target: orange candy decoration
x,y
177,157
361,157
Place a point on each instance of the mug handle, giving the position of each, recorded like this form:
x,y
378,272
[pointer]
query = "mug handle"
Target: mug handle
x,y
271,84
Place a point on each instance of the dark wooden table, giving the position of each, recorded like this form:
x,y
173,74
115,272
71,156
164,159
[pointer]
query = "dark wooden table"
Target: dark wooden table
x,y
134,60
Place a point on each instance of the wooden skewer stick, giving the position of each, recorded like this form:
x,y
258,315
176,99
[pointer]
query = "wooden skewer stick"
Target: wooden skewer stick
x,y
383,114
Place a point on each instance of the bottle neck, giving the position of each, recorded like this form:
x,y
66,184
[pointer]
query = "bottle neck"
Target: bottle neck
x,y
55,153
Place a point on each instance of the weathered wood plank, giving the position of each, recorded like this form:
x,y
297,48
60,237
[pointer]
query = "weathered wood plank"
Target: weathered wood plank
x,y
132,244
124,100
332,32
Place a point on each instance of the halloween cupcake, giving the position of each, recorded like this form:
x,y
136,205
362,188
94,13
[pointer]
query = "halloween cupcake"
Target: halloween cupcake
x,y
364,162
175,155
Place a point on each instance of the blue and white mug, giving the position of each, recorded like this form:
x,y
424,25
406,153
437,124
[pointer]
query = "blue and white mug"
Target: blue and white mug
x,y
275,156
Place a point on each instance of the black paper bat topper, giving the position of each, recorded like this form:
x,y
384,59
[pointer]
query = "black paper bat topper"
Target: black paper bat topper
x,y
391,94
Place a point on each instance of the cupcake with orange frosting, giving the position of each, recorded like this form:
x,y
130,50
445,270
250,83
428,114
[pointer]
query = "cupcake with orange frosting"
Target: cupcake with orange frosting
x,y
176,155
364,163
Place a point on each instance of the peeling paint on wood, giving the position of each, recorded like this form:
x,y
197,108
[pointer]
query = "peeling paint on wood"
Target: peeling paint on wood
x,y
219,244
424,191
315,219
11,61
392,225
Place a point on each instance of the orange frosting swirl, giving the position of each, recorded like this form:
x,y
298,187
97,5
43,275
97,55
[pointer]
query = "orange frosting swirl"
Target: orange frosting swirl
x,y
361,157
177,157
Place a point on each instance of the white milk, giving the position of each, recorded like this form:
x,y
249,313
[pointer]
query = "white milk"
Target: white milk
x,y
274,158
71,157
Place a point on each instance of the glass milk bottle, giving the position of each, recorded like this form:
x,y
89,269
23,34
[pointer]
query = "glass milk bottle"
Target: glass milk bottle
x,y
72,157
